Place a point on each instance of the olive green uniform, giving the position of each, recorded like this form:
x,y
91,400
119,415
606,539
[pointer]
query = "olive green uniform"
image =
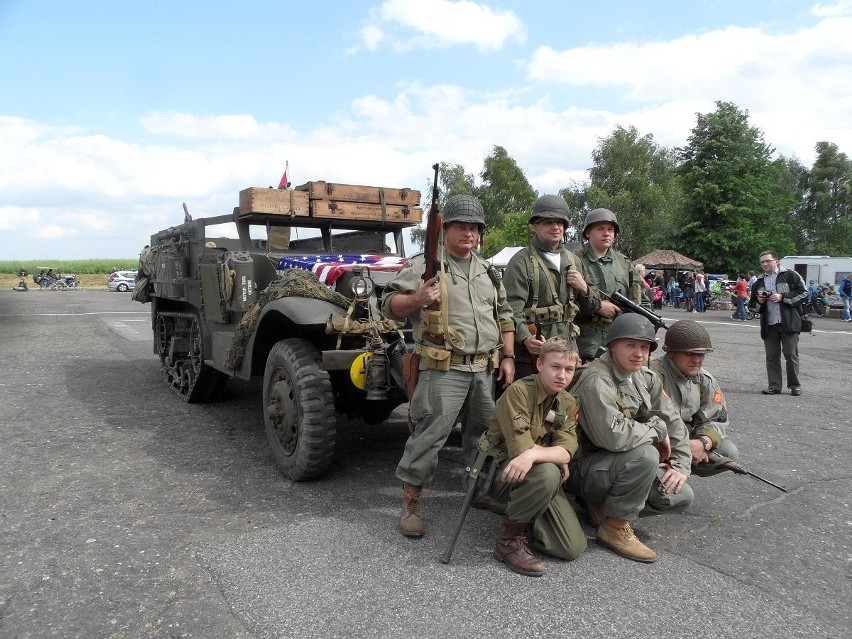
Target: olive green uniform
x,y
477,314
702,408
538,293
612,273
519,424
621,421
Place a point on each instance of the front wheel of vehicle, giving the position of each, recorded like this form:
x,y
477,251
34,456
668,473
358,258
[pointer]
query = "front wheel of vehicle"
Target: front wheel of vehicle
x,y
298,410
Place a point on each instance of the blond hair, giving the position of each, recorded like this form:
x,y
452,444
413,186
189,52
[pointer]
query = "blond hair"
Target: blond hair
x,y
561,345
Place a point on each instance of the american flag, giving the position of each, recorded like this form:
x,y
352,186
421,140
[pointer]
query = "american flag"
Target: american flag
x,y
329,268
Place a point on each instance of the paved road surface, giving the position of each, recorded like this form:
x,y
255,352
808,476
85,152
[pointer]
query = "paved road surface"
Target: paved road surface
x,y
127,513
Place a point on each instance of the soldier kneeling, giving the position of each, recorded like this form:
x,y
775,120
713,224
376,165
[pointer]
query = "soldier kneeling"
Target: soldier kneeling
x,y
535,421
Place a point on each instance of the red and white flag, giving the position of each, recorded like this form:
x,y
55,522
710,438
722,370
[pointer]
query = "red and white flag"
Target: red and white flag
x,y
285,179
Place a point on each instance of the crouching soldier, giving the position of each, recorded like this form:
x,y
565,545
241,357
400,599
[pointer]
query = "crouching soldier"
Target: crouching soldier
x,y
696,394
535,421
634,452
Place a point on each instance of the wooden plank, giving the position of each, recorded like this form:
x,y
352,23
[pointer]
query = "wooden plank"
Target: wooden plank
x,y
366,212
321,190
273,201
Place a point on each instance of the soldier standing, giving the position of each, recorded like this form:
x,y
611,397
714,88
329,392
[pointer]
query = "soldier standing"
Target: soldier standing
x,y
696,394
605,271
459,345
624,417
541,283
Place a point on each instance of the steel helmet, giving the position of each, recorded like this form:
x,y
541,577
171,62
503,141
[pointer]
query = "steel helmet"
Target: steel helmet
x,y
600,215
634,326
550,207
687,335
463,208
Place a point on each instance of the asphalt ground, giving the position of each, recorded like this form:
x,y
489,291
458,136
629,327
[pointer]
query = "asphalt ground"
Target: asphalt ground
x,y
125,512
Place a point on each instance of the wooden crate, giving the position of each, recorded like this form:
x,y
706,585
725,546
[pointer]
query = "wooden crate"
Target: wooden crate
x,y
367,212
273,201
321,190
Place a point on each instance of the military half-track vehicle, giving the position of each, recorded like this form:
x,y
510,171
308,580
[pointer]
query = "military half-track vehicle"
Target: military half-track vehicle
x,y
285,287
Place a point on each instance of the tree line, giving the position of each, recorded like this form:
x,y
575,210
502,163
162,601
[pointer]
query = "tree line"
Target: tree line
x,y
721,199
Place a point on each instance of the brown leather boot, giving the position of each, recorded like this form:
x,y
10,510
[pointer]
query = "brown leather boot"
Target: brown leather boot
x,y
623,540
411,524
512,550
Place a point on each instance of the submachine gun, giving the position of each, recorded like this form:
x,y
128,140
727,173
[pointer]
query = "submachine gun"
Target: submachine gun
x,y
629,306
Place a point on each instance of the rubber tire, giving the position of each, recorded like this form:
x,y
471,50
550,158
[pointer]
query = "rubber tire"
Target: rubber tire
x,y
121,288
298,410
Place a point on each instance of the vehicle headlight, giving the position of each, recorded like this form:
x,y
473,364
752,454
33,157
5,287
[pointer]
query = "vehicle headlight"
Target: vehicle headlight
x,y
362,286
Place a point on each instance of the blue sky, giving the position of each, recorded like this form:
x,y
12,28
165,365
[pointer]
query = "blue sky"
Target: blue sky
x,y
114,113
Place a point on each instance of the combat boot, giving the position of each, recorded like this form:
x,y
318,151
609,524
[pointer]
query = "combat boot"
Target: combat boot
x,y
623,541
411,524
512,549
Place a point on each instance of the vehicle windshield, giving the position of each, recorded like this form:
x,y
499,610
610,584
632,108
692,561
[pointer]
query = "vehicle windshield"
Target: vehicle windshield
x,y
297,239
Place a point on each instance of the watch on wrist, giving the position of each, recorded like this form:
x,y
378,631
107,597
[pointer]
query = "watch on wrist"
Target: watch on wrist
x,y
509,356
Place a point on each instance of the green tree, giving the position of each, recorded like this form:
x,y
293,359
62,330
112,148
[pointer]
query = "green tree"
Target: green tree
x,y
634,177
791,180
731,207
504,188
827,210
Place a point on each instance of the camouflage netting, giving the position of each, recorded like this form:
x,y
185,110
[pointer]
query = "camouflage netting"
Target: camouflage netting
x,y
292,282
145,273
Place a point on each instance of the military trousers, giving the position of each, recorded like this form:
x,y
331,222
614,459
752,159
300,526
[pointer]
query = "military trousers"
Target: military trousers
x,y
659,502
440,400
591,339
540,502
620,480
776,343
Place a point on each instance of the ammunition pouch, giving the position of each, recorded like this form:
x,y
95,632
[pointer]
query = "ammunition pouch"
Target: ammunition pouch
x,y
436,359
544,315
432,324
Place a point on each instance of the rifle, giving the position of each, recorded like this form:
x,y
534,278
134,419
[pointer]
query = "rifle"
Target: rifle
x,y
629,306
411,361
484,451
718,460
535,330
433,233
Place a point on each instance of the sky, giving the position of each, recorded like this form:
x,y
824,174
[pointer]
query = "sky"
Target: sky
x,y
113,114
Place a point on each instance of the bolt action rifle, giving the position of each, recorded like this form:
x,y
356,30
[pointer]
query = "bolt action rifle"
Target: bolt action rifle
x,y
411,361
730,464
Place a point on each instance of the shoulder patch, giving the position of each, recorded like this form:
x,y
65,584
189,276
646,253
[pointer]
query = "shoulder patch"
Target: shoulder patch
x,y
718,397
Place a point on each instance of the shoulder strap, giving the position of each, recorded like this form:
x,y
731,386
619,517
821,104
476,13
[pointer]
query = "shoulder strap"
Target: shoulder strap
x,y
551,281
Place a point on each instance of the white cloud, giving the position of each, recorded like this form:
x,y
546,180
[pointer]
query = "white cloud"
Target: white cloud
x,y
832,9
66,192
425,24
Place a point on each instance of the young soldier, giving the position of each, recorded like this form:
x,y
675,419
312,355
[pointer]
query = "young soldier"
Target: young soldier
x,y
606,271
541,282
536,422
625,417
696,394
459,345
